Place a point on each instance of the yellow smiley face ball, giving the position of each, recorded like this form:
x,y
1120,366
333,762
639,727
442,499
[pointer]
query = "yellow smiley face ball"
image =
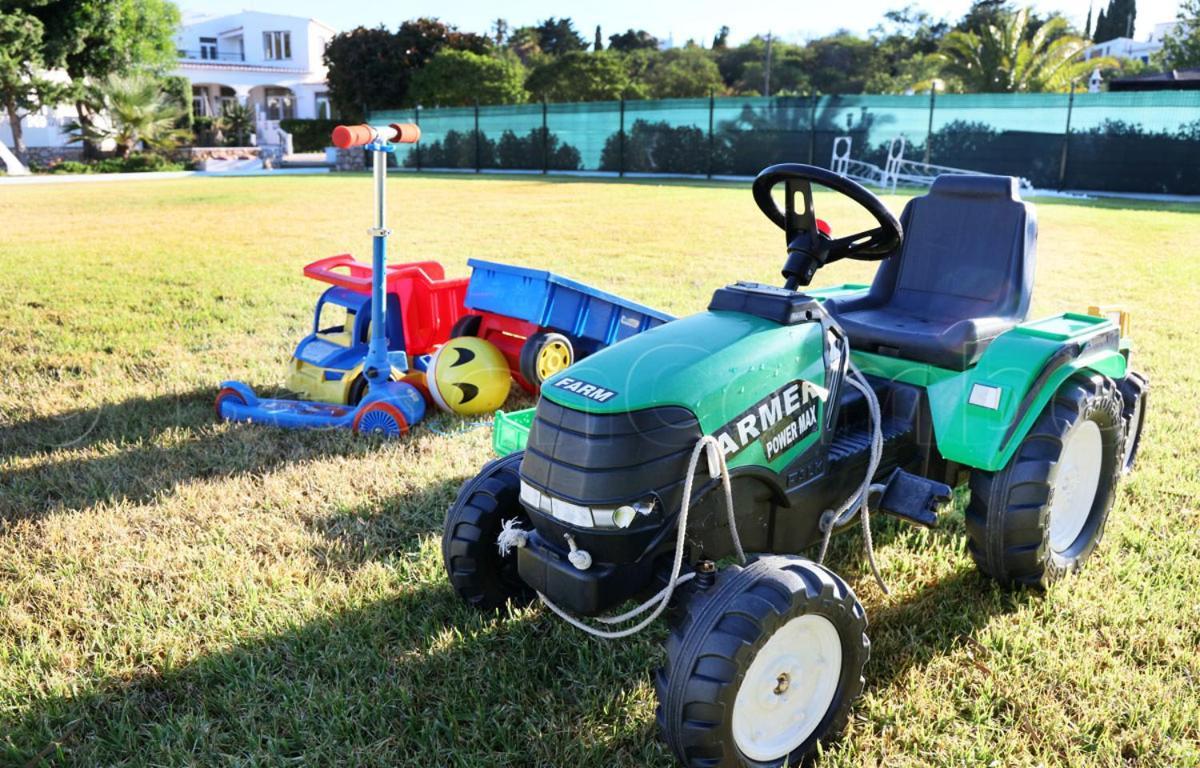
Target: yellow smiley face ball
x,y
468,376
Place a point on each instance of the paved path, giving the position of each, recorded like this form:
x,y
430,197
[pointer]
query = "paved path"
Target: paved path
x,y
87,178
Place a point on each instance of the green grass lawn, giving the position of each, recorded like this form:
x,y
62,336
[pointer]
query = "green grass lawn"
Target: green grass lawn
x,y
174,591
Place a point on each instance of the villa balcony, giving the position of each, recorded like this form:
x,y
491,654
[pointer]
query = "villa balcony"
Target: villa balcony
x,y
207,54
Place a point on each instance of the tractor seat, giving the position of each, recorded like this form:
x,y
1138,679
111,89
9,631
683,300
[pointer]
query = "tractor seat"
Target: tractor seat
x,y
963,275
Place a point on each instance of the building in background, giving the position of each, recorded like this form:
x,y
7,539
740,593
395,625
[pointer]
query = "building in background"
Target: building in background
x,y
269,62
1129,48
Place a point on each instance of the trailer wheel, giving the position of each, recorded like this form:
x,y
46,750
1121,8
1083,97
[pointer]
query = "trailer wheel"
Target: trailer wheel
x,y
1043,514
544,354
467,325
480,575
1135,396
762,666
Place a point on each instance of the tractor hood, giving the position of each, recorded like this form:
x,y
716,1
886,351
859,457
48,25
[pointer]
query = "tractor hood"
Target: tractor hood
x,y
725,367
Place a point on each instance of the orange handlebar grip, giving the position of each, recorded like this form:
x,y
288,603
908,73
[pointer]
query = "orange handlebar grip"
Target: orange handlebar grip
x,y
406,133
347,136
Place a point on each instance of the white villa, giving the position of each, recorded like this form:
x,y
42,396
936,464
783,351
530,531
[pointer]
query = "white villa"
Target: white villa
x,y
270,62
1129,48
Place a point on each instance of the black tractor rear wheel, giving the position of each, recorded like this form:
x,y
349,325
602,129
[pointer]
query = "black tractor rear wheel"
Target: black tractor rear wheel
x,y
1135,396
1043,514
479,573
762,665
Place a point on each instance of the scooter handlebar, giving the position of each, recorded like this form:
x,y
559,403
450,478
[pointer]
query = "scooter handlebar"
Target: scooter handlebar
x,y
347,136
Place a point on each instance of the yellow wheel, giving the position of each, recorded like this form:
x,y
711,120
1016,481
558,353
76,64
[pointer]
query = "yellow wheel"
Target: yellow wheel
x,y
553,357
544,354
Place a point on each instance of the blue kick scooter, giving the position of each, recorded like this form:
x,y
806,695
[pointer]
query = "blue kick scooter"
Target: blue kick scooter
x,y
389,407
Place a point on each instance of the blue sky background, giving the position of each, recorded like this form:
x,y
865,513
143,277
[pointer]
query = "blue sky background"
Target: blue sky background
x,y
700,19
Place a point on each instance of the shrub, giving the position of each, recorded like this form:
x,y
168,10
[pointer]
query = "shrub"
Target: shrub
x,y
69,166
309,135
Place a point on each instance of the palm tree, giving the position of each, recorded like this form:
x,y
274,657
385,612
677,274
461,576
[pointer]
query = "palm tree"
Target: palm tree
x,y
1005,58
138,111
237,120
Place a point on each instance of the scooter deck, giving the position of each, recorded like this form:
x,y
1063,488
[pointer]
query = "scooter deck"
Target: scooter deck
x,y
292,414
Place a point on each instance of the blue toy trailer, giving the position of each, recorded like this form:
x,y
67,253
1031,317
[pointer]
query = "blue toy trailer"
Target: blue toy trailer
x,y
544,322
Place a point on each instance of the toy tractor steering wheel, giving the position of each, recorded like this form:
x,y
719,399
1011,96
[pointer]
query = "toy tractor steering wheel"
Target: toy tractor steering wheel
x,y
809,244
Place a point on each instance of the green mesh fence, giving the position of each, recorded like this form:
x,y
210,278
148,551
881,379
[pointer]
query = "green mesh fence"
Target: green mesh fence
x,y
1131,142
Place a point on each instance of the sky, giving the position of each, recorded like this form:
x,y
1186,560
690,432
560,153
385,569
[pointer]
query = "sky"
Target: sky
x,y
678,20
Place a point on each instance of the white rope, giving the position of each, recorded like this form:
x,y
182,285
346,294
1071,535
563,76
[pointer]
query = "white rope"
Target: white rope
x,y
857,502
716,460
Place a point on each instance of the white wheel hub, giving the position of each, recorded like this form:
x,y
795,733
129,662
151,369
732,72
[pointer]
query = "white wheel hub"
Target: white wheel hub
x,y
1075,484
788,688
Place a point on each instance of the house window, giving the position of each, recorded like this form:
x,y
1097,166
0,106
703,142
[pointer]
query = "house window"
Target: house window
x,y
277,45
324,111
280,103
208,48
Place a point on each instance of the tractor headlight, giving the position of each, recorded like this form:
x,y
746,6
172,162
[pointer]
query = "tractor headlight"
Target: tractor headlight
x,y
623,516
588,517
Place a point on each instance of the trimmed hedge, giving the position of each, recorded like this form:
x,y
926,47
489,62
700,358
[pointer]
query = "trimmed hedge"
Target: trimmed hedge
x,y
135,164
309,135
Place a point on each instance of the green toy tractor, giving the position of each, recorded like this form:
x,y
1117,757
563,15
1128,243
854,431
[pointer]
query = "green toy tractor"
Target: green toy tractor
x,y
780,416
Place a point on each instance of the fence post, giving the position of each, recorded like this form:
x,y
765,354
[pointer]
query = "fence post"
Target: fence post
x,y
417,146
621,142
929,128
545,139
711,106
477,136
1062,164
812,128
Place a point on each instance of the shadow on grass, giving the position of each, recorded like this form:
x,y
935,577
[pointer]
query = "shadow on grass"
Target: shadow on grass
x,y
136,449
938,619
418,680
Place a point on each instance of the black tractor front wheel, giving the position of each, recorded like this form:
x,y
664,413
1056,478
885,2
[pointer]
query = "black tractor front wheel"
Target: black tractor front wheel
x,y
762,665
1043,514
480,574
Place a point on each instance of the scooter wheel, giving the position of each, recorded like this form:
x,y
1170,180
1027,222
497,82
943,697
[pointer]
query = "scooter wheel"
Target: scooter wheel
x,y
764,664
381,418
227,394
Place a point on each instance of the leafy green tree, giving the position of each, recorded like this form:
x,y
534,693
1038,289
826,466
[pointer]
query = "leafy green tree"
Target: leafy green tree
x,y
525,44
633,40
840,63
373,68
95,39
22,89
598,42
1181,48
1001,59
579,76
138,111
558,37
461,78
906,42
679,73
721,39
